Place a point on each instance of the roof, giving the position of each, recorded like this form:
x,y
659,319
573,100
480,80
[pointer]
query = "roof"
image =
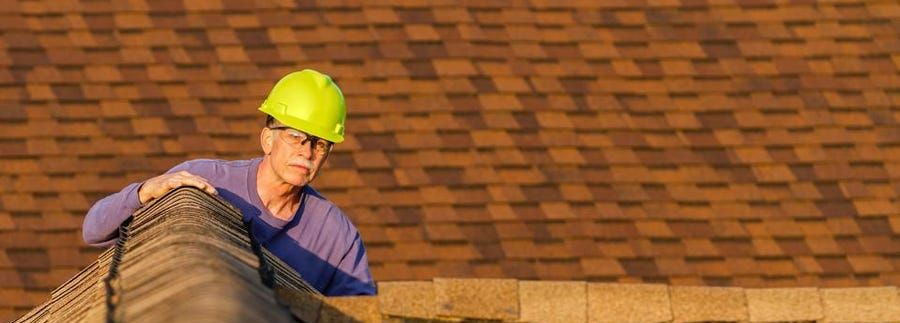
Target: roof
x,y
721,143
187,257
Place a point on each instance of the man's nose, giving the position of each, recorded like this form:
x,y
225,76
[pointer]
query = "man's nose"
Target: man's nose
x,y
306,150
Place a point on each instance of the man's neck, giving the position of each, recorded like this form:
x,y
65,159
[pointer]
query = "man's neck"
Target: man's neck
x,y
281,198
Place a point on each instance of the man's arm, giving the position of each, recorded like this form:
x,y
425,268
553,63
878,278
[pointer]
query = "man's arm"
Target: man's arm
x,y
352,276
103,219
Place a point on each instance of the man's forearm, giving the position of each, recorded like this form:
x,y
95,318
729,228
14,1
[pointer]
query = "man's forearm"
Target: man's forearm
x,y
103,219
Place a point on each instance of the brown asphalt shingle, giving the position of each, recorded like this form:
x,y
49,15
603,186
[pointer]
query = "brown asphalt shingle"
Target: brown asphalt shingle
x,y
742,144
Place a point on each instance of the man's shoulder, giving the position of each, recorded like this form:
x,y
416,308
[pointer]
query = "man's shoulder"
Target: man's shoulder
x,y
225,173
332,214
212,166
312,192
318,202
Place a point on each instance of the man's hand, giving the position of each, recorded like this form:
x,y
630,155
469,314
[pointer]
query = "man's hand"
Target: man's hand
x,y
162,184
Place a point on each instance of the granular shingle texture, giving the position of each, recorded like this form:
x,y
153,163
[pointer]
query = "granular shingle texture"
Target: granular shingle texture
x,y
784,304
721,143
409,299
608,303
484,299
861,304
350,309
706,304
553,301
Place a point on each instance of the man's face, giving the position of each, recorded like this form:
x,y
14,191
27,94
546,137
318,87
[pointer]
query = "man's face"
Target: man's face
x,y
293,157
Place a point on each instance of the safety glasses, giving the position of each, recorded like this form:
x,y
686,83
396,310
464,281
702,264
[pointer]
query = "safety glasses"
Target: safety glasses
x,y
298,139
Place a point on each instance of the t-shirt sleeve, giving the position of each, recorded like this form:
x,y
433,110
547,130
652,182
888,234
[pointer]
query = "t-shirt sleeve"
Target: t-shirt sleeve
x,y
352,276
100,227
103,219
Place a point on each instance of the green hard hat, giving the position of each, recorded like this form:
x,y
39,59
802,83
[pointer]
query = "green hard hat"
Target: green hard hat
x,y
308,101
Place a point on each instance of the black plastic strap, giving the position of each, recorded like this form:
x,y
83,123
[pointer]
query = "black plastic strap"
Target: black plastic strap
x,y
118,253
266,271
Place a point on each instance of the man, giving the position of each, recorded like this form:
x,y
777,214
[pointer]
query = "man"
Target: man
x,y
306,115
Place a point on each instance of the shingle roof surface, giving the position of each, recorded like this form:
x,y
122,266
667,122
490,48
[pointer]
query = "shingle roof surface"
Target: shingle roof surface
x,y
723,143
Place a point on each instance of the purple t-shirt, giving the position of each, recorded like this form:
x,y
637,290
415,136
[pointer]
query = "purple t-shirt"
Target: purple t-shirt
x,y
319,241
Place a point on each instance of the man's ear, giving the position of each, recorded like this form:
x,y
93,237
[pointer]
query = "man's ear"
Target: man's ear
x,y
265,140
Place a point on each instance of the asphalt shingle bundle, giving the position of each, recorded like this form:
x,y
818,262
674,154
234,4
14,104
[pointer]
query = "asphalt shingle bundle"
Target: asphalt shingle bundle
x,y
186,257
80,299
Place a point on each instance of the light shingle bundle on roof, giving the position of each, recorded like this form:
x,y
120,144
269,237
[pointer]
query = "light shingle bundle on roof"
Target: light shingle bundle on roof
x,y
578,301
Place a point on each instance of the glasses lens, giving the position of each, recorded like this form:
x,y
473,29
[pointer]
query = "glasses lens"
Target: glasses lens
x,y
322,145
298,139
294,137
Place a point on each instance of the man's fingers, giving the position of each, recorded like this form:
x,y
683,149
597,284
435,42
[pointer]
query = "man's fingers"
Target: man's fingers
x,y
196,182
201,183
159,186
204,184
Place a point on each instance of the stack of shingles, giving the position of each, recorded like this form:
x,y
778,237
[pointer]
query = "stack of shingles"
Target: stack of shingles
x,y
187,257
510,300
578,301
80,299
